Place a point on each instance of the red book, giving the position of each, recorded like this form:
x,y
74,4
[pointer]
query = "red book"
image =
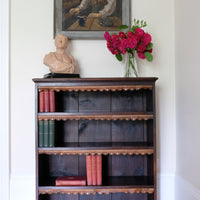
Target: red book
x,y
71,181
99,169
46,101
41,101
51,101
89,169
94,170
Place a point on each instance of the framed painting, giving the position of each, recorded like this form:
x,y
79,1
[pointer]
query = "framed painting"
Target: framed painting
x,y
89,19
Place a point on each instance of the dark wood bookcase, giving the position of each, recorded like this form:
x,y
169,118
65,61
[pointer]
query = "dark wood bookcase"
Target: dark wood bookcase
x,y
112,117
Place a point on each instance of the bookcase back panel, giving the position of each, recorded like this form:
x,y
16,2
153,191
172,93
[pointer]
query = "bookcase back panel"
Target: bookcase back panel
x,y
127,165
94,101
119,101
123,196
58,197
66,101
103,131
117,196
94,131
95,197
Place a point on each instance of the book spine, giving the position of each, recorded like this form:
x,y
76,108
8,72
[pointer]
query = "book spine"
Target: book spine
x,y
46,101
52,101
94,170
99,169
41,133
51,133
41,101
46,133
89,169
71,183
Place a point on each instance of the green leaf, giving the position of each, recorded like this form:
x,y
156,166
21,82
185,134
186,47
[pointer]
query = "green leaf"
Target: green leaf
x,y
150,46
123,27
133,28
148,56
119,57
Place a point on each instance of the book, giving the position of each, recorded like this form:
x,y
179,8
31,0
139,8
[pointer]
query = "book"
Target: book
x,y
41,133
41,101
71,181
46,101
51,133
99,169
89,169
46,133
94,170
51,101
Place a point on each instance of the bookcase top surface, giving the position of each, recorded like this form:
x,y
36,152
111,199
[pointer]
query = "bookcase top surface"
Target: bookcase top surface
x,y
109,79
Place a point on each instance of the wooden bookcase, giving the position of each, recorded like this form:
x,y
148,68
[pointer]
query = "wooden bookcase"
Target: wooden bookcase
x,y
112,117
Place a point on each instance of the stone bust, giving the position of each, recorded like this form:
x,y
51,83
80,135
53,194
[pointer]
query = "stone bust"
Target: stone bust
x,y
59,61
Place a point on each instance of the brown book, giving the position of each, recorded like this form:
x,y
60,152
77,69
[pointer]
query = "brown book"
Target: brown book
x,y
41,101
46,101
51,101
99,169
94,170
71,181
89,169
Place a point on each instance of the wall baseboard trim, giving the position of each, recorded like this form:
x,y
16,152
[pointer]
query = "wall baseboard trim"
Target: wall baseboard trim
x,y
22,187
185,190
165,187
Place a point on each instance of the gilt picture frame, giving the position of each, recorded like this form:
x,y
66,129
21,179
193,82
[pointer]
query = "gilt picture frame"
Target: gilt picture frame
x,y
83,24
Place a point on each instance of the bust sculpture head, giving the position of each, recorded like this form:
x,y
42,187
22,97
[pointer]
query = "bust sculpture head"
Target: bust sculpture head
x,y
61,41
59,61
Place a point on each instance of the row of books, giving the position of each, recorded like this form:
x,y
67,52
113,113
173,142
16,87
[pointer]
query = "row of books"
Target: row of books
x,y
46,133
93,171
47,101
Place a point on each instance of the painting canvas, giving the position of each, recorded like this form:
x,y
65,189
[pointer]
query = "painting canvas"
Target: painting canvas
x,y
89,18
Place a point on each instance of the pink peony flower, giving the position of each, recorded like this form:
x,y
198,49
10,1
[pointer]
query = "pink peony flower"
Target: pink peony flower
x,y
107,36
115,40
146,38
122,35
132,42
150,50
130,34
141,47
141,55
139,32
123,46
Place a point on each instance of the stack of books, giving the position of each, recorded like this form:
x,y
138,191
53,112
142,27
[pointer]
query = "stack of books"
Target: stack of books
x,y
47,101
94,169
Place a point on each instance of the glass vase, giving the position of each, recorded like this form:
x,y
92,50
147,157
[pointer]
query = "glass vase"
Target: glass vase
x,y
131,66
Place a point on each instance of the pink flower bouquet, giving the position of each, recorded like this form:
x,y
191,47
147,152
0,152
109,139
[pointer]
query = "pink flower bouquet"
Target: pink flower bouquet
x,y
132,41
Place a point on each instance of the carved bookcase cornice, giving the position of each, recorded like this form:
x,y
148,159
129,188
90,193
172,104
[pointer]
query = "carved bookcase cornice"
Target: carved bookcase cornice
x,y
100,88
94,191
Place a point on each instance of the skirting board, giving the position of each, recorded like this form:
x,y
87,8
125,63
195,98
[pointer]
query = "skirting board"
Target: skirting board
x,y
185,190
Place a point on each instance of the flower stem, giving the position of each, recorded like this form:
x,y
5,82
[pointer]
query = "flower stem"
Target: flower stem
x,y
132,64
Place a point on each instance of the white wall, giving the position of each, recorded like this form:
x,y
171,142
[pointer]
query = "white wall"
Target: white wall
x,y
32,38
187,93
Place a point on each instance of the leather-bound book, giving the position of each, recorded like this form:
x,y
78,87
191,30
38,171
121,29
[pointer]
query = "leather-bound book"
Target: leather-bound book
x,y
41,133
94,170
71,181
51,101
89,169
51,133
41,101
99,169
46,133
46,101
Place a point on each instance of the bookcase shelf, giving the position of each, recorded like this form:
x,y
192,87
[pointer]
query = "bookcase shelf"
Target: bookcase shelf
x,y
109,117
95,116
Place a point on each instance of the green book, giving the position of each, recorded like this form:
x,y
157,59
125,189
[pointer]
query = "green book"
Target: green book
x,y
46,133
51,133
41,133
